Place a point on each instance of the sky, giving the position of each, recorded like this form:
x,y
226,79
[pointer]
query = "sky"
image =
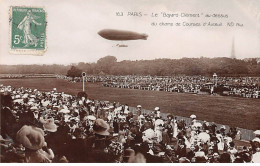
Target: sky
x,y
73,26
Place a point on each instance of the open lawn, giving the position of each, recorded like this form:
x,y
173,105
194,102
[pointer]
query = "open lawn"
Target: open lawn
x,y
232,111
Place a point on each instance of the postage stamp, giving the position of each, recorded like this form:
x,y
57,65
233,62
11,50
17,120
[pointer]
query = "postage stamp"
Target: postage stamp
x,y
27,30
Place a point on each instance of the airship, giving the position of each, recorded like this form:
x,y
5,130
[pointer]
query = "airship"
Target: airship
x,y
112,34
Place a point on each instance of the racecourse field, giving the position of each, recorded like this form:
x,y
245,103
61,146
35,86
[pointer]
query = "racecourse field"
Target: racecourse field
x,y
232,111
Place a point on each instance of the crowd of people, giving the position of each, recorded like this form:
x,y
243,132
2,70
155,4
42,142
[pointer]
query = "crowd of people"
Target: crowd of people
x,y
247,87
57,127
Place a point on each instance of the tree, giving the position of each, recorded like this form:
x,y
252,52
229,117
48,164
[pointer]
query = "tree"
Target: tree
x,y
74,72
106,63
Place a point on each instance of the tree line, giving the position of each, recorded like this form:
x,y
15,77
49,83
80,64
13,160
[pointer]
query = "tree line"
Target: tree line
x,y
109,65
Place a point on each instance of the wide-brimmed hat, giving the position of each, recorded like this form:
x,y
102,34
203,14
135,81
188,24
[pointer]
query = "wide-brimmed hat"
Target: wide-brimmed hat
x,y
111,107
156,108
91,117
139,106
256,140
215,154
149,133
148,125
257,132
34,108
49,125
170,116
128,153
184,160
31,137
101,127
65,111
223,127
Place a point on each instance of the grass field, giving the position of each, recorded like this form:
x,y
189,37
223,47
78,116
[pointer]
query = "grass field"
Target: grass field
x,y
232,111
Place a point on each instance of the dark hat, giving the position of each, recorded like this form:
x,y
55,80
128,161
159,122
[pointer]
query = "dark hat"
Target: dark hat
x,y
225,158
148,125
170,116
232,144
101,127
128,153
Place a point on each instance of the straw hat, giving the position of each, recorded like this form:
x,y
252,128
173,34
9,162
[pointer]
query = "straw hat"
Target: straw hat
x,y
257,132
156,108
111,107
91,117
31,137
101,127
49,125
149,135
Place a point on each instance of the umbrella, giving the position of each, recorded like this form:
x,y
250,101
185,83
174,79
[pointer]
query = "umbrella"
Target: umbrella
x,y
204,137
65,111
197,124
159,122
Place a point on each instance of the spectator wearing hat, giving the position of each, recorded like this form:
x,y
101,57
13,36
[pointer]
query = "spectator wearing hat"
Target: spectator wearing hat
x,y
49,125
232,151
99,142
165,137
157,112
181,150
193,117
32,138
238,135
191,152
116,125
215,158
225,158
200,157
212,127
139,110
169,128
77,148
127,154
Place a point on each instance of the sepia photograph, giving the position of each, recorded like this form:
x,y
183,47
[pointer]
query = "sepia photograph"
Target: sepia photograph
x,y
130,81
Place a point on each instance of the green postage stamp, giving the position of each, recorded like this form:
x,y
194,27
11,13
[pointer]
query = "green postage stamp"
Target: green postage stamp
x,y
27,30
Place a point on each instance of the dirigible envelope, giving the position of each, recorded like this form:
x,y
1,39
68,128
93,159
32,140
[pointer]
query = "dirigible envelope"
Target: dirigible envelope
x,y
112,34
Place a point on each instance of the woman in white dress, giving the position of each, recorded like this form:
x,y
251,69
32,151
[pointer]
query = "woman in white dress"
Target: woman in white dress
x,y
25,26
